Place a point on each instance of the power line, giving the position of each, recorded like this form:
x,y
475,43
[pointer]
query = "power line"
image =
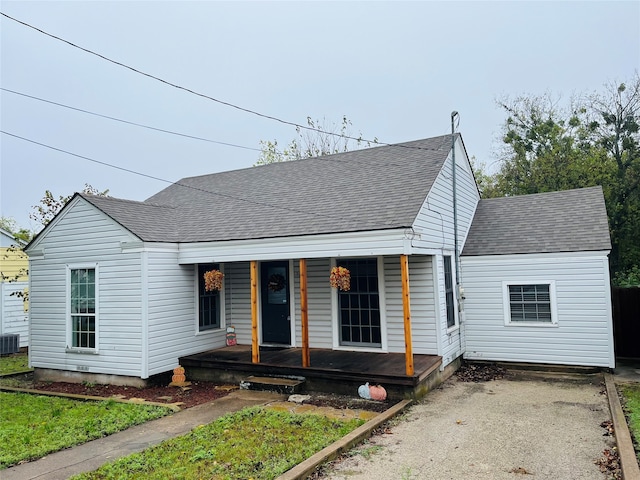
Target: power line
x,y
202,95
129,122
222,102
278,152
152,177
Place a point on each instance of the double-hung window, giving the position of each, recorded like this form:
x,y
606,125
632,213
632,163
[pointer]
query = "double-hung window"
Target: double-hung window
x,y
530,303
83,307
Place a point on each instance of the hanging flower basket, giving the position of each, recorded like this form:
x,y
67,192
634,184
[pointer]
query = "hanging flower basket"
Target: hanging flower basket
x,y
340,278
213,280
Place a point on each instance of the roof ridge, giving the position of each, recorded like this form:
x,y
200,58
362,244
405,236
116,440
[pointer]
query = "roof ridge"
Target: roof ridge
x,y
444,146
90,196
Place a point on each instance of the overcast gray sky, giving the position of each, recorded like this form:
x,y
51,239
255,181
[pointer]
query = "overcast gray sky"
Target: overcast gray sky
x,y
395,69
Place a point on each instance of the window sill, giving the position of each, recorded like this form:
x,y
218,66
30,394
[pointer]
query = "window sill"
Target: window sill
x,y
452,330
82,351
354,348
210,331
531,324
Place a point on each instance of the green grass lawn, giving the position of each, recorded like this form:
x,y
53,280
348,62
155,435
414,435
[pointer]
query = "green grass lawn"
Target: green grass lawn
x,y
14,363
31,426
254,443
631,395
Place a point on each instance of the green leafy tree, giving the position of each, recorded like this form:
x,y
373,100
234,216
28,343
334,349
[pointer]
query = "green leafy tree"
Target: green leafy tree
x,y
9,224
614,124
318,140
592,141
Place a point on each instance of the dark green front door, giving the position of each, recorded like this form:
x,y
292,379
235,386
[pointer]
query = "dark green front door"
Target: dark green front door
x,y
276,320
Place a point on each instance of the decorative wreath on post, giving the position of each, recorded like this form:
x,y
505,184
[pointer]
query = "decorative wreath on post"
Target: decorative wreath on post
x,y
213,280
340,278
275,282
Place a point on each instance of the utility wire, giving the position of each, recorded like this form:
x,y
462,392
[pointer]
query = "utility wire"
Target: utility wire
x,y
228,104
129,122
278,152
152,177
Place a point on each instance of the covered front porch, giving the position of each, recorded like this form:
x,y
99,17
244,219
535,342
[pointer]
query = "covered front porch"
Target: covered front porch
x,y
330,371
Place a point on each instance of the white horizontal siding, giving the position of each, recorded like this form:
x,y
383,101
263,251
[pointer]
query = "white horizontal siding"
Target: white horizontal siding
x,y
421,294
451,341
84,235
357,244
237,284
583,335
238,301
434,223
318,303
172,314
13,317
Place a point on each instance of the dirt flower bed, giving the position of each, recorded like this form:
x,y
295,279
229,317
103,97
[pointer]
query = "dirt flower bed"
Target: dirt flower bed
x,y
480,372
190,396
344,401
194,394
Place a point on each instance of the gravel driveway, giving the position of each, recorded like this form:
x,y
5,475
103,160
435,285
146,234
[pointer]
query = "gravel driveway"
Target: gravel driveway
x,y
535,427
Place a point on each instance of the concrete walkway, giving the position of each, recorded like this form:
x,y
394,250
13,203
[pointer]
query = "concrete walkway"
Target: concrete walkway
x,y
91,455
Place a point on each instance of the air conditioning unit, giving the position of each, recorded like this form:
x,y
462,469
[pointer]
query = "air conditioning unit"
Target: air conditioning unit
x,y
9,343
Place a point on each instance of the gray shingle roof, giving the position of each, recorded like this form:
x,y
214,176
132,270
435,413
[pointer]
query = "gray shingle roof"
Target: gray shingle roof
x,y
566,221
370,189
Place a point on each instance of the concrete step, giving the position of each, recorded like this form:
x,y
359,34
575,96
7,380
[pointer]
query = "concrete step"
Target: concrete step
x,y
286,385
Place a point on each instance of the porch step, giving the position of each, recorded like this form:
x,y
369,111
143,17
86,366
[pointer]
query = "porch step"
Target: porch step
x,y
288,385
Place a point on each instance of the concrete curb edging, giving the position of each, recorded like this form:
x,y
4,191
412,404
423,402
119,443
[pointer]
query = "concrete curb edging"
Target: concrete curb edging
x,y
74,396
628,460
306,468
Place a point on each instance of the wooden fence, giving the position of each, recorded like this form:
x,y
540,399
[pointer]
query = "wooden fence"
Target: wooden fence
x,y
626,321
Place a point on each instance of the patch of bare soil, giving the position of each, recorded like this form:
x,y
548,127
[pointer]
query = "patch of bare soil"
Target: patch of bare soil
x,y
480,372
344,402
194,394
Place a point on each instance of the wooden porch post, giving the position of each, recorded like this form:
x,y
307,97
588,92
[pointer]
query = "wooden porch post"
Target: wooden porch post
x,y
304,314
255,348
406,308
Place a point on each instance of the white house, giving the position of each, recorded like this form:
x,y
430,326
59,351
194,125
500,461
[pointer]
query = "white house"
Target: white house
x,y
117,287
13,285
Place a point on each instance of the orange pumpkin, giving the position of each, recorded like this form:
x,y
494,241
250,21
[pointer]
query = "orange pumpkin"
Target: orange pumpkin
x,y
377,392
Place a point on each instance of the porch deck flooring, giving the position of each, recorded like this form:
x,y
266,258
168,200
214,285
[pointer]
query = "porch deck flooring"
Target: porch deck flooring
x,y
336,364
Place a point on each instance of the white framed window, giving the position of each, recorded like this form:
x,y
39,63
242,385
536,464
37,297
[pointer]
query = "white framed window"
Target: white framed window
x,y
359,316
530,303
82,307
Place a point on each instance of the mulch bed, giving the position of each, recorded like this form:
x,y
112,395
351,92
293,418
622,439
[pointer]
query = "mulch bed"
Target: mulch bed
x,y
480,372
195,394
343,401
